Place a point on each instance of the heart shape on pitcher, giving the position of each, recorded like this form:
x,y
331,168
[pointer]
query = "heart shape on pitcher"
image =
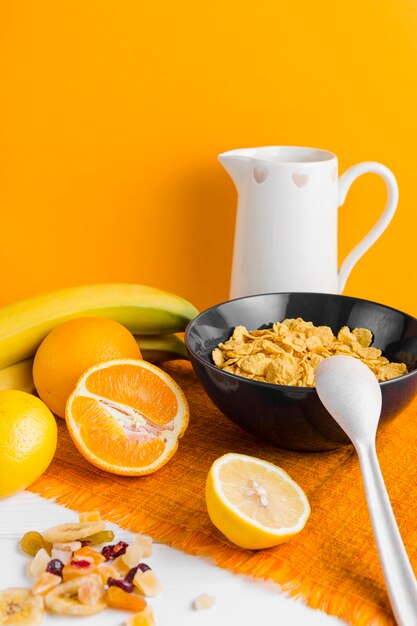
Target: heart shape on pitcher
x,y
300,180
260,173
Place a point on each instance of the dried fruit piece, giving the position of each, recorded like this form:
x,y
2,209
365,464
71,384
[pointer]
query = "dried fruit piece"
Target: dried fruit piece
x,y
115,550
121,566
119,599
32,542
133,555
79,561
204,601
120,547
64,598
91,591
131,574
145,542
72,532
45,583
77,568
88,553
147,583
122,583
143,567
19,606
38,565
144,618
55,566
71,546
107,571
104,536
64,556
90,516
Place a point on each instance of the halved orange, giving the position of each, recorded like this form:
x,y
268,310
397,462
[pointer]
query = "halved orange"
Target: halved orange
x,y
125,416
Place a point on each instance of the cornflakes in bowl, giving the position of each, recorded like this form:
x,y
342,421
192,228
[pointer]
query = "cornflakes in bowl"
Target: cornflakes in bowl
x,y
289,414
288,352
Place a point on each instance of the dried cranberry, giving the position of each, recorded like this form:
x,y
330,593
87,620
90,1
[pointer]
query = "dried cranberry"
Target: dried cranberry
x,y
82,563
143,567
112,551
85,542
55,566
120,548
108,553
123,584
131,574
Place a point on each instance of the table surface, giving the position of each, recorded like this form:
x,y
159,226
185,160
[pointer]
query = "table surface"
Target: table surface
x,y
239,599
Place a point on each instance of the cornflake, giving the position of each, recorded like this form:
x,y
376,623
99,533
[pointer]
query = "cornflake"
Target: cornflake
x,y
289,352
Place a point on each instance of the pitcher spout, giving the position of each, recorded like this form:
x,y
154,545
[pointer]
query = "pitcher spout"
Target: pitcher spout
x,y
236,164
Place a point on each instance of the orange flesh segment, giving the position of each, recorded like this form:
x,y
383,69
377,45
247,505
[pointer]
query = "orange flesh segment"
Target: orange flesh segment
x,y
106,438
261,494
136,387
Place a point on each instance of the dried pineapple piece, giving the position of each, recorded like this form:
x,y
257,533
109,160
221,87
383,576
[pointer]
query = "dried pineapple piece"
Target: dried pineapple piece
x,y
133,555
204,601
146,543
147,583
37,566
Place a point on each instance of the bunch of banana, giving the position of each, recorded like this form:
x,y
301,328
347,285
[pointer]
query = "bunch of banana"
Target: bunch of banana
x,y
158,348
151,314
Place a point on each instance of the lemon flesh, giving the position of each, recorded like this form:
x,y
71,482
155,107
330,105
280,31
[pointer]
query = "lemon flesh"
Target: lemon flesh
x,y
255,504
28,435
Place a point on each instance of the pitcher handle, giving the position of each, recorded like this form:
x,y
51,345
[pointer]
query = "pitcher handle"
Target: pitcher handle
x,y
345,181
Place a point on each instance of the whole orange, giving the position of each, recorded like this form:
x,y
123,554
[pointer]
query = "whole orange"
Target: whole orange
x,y
72,348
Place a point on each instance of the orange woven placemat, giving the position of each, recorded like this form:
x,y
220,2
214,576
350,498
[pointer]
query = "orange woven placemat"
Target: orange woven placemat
x,y
332,564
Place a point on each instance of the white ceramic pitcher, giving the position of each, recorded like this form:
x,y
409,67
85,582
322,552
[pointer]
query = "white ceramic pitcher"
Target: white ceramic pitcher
x,y
286,225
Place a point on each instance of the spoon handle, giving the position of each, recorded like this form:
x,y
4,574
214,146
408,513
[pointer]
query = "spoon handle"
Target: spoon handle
x,y
399,576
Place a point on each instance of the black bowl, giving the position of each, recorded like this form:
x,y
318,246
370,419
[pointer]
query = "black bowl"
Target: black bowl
x,y
293,417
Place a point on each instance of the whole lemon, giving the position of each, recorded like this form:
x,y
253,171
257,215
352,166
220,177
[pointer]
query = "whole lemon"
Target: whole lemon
x,y
71,349
28,435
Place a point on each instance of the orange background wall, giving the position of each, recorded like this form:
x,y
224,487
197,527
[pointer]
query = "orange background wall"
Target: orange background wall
x,y
112,115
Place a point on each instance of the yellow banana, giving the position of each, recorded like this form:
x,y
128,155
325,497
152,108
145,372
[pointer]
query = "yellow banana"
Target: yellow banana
x,y
158,348
18,376
154,348
143,310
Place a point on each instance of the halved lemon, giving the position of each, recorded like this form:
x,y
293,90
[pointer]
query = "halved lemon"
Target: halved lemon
x,y
253,502
125,416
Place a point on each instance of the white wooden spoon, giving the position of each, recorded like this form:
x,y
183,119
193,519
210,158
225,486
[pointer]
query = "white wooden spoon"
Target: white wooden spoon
x,y
352,395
